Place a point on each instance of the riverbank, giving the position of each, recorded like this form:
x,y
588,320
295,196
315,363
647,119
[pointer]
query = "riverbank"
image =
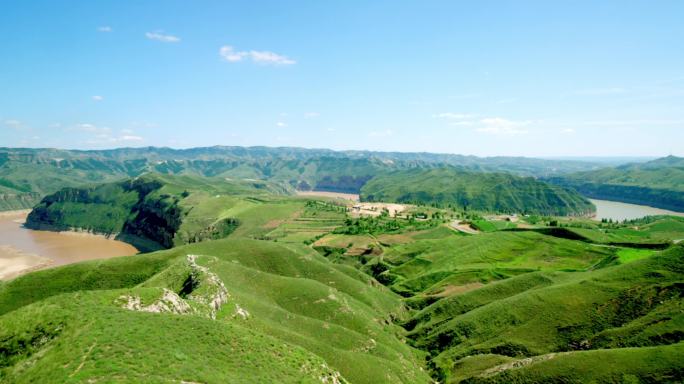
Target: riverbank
x,y
20,212
23,250
337,195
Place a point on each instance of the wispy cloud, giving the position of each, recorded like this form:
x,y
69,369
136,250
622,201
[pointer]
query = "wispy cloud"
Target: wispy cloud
x,y
104,136
281,124
97,98
385,133
160,36
105,29
87,127
130,138
229,54
501,126
311,115
490,125
568,131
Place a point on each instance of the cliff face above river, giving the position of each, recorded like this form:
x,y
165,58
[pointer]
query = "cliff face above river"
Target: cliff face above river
x,y
151,211
135,210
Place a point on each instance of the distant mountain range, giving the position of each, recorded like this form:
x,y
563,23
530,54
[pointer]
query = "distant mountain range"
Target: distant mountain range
x,y
27,175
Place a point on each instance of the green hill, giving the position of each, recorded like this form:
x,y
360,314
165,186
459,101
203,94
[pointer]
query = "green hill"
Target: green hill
x,y
492,192
152,211
658,183
611,325
241,310
26,175
297,290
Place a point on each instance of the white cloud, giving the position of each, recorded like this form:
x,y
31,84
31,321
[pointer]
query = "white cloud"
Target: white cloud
x,y
159,36
385,133
130,138
311,115
491,125
281,124
108,139
229,54
97,98
568,131
104,28
87,127
501,126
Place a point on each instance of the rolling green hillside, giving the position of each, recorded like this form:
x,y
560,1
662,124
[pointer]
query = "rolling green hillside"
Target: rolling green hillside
x,y
658,183
241,310
259,286
492,192
609,325
26,175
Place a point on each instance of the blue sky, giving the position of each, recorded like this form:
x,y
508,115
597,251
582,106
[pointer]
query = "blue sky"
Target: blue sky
x,y
530,78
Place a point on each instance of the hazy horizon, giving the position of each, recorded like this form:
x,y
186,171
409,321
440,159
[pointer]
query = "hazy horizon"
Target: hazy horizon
x,y
543,80
573,158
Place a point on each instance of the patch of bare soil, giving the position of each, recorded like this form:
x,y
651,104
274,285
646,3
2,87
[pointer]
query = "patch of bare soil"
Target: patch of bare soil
x,y
376,209
457,289
517,364
463,227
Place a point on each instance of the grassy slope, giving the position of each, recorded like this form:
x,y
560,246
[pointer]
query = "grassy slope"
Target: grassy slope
x,y
502,296
73,345
431,265
622,365
653,230
477,191
636,304
301,308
